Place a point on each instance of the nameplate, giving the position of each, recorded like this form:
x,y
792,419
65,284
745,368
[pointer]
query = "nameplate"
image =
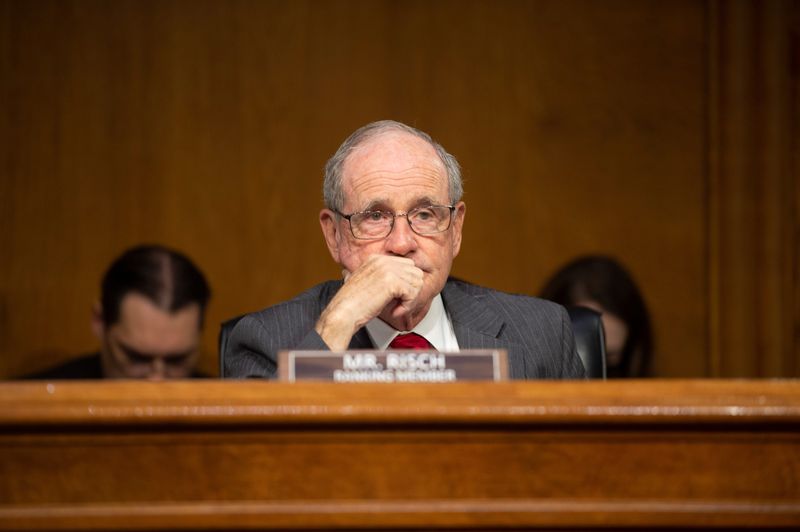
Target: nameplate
x,y
393,366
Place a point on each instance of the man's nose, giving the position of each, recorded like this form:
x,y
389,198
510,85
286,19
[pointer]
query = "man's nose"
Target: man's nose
x,y
402,240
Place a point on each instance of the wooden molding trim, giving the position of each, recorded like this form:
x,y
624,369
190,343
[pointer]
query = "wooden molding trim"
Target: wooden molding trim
x,y
462,514
753,225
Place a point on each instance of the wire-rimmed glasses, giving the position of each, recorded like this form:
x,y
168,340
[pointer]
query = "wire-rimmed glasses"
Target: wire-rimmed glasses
x,y
376,224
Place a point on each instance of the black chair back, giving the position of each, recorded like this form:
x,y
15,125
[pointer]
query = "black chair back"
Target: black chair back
x,y
590,340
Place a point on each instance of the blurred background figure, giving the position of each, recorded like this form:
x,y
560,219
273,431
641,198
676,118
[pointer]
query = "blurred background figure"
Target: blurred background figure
x,y
148,320
602,284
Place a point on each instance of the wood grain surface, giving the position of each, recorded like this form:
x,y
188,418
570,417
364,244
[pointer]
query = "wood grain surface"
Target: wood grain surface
x,y
258,455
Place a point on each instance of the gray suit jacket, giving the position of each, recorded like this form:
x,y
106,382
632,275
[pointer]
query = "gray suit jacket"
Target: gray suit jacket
x,y
536,333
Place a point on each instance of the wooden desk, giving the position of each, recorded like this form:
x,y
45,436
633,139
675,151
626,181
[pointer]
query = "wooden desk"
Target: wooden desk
x,y
521,455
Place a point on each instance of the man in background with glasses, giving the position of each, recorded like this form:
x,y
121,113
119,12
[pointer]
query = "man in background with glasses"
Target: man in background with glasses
x,y
393,221
149,319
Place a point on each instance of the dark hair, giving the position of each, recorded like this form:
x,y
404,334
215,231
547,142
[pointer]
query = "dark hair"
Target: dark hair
x,y
605,281
164,276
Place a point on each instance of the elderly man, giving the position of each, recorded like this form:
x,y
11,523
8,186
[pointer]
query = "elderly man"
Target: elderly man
x,y
148,320
393,221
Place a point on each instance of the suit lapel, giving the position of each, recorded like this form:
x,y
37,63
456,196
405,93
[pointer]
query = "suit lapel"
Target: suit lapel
x,y
361,340
479,327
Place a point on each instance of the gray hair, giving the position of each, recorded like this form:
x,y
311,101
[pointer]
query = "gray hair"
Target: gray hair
x,y
332,190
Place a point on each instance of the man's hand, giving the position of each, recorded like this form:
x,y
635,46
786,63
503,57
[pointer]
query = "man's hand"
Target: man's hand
x,y
379,281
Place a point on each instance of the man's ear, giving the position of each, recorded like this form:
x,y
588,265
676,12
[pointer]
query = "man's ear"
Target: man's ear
x,y
458,224
330,230
98,327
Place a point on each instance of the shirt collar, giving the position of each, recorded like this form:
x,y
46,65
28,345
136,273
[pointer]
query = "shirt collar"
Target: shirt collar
x,y
433,327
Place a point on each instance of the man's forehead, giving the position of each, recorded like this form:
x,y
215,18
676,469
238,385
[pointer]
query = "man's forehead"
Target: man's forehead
x,y
139,311
393,152
394,160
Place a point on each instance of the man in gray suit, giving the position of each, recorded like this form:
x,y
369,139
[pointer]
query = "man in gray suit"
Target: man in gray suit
x,y
393,221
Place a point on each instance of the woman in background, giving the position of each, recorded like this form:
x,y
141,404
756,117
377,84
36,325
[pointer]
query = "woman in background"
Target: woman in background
x,y
602,284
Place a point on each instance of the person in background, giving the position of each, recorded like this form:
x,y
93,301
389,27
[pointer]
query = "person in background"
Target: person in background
x,y
604,285
392,220
149,319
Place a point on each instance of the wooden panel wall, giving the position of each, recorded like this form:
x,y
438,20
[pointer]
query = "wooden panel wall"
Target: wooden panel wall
x,y
618,127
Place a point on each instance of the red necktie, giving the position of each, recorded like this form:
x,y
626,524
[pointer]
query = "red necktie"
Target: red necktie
x,y
410,341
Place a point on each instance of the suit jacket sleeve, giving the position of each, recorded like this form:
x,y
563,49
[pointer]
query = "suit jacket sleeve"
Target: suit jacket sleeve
x,y
256,340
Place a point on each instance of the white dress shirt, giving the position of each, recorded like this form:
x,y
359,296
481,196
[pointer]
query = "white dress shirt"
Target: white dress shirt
x,y
436,327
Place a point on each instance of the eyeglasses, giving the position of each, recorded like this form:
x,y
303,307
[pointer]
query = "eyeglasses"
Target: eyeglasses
x,y
373,225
